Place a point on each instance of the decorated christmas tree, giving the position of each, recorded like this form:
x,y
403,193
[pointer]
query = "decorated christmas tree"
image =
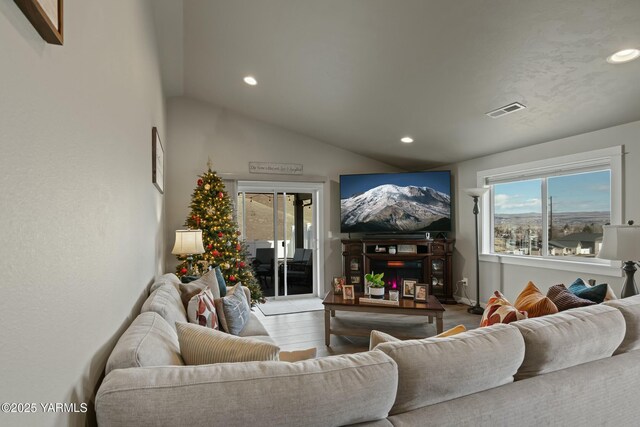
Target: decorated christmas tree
x,y
211,212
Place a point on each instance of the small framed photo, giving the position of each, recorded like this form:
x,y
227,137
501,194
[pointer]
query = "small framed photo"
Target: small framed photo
x,y
409,287
355,280
421,292
348,292
337,283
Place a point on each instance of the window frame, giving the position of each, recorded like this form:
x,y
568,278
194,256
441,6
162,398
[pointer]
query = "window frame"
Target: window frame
x,y
607,158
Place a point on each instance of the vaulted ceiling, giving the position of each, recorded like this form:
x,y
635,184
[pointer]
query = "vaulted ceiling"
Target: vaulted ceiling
x,y
361,74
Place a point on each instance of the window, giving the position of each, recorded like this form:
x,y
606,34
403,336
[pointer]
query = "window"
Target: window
x,y
552,209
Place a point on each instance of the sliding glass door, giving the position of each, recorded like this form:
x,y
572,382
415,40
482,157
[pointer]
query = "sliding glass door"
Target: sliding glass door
x,y
278,222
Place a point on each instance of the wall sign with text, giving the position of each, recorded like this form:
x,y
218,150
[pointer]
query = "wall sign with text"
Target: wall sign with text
x,y
275,168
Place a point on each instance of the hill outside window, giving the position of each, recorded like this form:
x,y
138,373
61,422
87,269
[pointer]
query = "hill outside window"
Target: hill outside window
x,y
545,212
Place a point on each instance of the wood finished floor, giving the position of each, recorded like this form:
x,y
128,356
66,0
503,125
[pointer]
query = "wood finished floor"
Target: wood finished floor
x,y
304,330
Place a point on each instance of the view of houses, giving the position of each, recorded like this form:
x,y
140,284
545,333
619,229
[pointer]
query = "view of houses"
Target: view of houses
x,y
571,234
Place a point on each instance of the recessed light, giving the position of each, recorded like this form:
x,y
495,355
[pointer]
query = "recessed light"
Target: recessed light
x,y
622,56
250,80
407,140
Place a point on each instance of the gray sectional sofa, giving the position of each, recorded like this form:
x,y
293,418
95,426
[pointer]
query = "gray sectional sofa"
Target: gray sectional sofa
x,y
578,367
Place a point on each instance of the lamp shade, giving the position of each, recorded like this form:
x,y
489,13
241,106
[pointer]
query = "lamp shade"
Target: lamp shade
x,y
621,243
476,192
188,242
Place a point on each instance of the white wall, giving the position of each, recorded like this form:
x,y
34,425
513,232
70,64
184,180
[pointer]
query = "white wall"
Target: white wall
x,y
200,130
511,279
82,225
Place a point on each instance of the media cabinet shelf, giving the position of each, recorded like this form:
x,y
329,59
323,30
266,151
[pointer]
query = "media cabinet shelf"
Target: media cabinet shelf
x,y
429,263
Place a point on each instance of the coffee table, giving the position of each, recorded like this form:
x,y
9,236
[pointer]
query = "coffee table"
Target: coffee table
x,y
332,303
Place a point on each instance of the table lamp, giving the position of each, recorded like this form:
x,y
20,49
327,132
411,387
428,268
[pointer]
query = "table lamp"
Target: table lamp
x,y
622,243
189,243
476,193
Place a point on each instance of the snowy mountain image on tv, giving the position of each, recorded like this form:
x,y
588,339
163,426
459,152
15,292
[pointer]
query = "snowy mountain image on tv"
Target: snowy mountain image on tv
x,y
399,205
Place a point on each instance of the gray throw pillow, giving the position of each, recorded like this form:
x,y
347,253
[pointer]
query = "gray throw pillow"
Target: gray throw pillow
x,y
236,310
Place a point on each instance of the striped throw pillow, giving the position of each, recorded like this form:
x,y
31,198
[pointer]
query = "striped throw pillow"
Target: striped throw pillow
x,y
534,302
564,300
203,346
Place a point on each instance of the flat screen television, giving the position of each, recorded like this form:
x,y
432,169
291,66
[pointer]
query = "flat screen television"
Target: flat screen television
x,y
395,202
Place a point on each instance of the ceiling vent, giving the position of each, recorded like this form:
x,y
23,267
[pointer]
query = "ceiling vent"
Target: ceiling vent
x,y
507,109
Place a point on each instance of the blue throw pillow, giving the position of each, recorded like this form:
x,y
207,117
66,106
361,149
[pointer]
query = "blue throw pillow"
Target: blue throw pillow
x,y
221,283
594,293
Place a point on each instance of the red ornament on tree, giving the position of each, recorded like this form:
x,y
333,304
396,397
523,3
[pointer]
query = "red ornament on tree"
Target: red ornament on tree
x,y
209,246
183,270
220,234
238,247
232,278
242,264
200,182
220,195
215,253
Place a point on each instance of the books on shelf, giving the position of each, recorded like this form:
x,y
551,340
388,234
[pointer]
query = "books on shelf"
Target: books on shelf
x,y
376,301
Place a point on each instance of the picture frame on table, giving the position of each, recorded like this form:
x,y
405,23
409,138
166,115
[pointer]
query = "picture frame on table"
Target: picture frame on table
x,y
421,291
409,287
157,156
337,283
46,16
348,292
355,280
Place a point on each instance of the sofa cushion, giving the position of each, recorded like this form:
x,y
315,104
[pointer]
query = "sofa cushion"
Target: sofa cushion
x,y
630,309
500,310
433,370
534,302
565,300
595,293
165,301
149,341
236,309
168,278
599,393
569,338
377,337
202,346
202,311
329,391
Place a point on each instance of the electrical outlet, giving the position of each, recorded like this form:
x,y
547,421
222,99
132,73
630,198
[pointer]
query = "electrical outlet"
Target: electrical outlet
x,y
465,281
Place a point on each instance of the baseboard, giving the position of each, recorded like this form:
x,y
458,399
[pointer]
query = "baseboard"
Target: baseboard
x,y
467,301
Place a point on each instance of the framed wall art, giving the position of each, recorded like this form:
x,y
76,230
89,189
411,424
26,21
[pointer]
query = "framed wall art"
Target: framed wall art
x,y
157,155
46,17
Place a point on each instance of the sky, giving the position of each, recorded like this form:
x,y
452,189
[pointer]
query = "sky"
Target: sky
x,y
584,192
355,184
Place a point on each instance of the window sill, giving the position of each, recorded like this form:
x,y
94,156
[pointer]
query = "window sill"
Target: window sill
x,y
601,267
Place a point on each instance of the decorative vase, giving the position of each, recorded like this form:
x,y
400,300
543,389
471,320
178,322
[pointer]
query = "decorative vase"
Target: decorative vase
x,y
376,292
